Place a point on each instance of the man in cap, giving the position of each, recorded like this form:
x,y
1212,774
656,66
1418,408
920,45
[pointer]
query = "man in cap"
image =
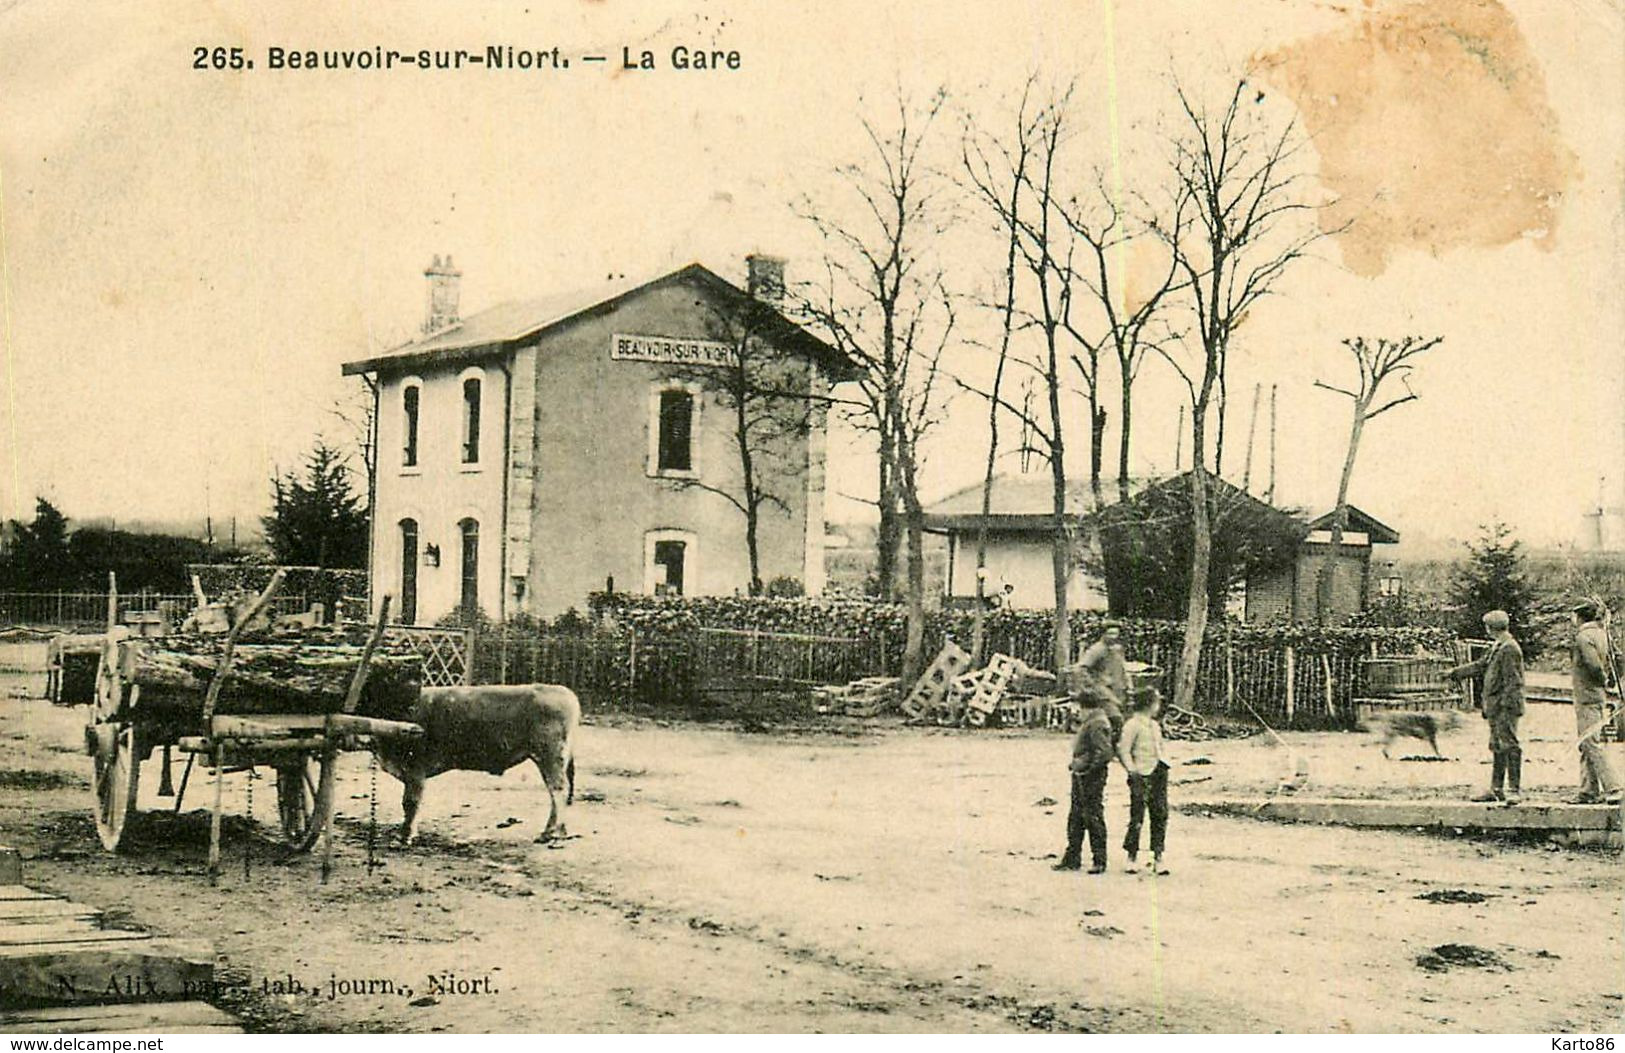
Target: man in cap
x,y
1501,701
1101,672
1591,668
1103,660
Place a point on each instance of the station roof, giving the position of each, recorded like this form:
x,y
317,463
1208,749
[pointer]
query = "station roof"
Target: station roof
x,y
516,323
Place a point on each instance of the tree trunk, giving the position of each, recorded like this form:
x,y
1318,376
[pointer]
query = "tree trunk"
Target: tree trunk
x,y
753,500
1196,600
1125,422
1097,445
914,517
174,677
979,616
1325,581
1060,554
888,535
751,518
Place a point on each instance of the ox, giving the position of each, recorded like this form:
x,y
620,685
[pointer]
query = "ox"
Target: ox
x,y
488,729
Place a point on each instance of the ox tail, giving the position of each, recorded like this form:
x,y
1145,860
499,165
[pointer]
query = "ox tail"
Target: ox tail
x,y
570,779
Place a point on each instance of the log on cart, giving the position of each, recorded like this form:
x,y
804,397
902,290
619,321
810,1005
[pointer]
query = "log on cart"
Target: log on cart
x,y
288,702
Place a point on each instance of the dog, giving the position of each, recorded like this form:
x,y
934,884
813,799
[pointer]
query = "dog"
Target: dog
x,y
1424,727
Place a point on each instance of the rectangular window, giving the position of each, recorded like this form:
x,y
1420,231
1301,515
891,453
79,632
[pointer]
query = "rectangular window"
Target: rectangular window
x,y
669,568
408,614
409,404
676,432
471,569
471,421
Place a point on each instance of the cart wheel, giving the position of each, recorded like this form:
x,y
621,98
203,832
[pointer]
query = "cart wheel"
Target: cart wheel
x,y
304,795
117,776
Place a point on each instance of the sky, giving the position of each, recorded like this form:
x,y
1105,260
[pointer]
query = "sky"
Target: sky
x,y
187,256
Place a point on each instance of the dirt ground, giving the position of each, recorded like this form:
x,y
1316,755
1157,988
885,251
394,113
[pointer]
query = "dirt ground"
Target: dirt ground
x,y
855,879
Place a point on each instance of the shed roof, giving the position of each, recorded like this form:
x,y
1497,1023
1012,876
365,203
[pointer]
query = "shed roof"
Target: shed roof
x,y
1021,501
1360,522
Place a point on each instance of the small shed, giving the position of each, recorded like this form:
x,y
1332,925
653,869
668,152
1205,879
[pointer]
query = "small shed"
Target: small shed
x,y
1290,592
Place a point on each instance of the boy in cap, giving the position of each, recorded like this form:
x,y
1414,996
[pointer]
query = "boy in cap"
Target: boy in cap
x,y
1501,701
1092,752
1590,659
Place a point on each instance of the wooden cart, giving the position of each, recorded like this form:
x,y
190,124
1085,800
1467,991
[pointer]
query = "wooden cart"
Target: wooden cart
x,y
301,747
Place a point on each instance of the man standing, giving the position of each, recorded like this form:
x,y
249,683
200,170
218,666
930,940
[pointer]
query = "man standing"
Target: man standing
x,y
1591,675
1103,660
1501,701
1092,752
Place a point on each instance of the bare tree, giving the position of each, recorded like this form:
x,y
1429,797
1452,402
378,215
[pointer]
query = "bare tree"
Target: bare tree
x,y
884,303
1376,363
769,398
1000,186
1130,329
1040,236
1234,194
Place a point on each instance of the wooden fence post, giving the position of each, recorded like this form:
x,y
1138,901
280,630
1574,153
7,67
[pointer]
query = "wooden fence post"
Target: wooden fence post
x,y
470,639
1291,676
1229,673
632,661
1326,668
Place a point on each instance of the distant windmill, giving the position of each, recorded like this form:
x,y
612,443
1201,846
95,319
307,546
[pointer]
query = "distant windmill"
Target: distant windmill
x,y
1605,526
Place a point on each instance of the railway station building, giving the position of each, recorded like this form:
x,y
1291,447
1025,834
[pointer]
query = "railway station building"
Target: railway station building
x,y
536,452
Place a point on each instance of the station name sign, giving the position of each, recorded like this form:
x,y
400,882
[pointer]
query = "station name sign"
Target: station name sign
x,y
672,350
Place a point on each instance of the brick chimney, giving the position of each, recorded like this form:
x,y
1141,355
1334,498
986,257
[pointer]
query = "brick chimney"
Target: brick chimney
x,y
444,280
765,277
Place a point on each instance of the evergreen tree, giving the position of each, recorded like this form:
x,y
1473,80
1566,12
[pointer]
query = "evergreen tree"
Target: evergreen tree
x,y
1493,577
317,519
39,556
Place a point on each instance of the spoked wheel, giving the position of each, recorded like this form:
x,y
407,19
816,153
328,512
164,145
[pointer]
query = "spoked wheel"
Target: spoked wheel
x,y
304,795
117,777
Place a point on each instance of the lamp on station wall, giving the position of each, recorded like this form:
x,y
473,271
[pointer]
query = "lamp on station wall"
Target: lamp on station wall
x,y
431,555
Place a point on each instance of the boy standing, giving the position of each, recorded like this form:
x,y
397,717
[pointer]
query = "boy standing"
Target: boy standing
x,y
1091,761
1140,750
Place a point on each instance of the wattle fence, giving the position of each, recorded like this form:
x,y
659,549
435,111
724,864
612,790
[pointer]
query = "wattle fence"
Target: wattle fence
x,y
1290,678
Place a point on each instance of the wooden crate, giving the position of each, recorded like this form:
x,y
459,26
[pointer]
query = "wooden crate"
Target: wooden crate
x,y
1384,677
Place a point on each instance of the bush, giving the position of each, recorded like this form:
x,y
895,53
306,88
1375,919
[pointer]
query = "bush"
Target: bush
x,y
785,587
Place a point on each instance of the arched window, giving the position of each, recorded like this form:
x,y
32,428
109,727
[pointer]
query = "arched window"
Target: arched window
x,y
471,420
409,572
471,568
409,412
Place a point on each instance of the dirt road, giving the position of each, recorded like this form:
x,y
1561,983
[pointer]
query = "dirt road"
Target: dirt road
x,y
854,881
